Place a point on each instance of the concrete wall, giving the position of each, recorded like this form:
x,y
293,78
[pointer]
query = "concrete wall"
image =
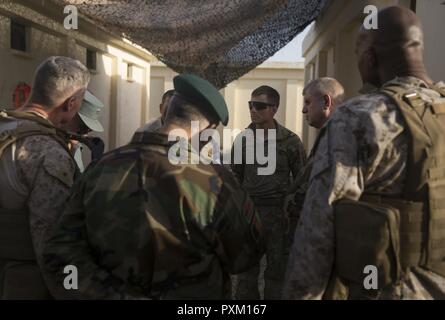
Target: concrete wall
x,y
329,46
126,100
161,80
432,14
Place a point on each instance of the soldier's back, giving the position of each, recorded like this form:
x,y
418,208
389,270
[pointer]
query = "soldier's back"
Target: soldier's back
x,y
36,173
383,130
168,230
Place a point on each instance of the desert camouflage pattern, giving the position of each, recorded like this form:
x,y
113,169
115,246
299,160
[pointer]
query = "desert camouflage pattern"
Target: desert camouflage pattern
x,y
363,147
301,182
36,175
268,193
138,226
291,157
249,282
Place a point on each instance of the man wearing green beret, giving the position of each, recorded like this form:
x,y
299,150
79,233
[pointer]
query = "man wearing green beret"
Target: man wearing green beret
x,y
85,121
140,226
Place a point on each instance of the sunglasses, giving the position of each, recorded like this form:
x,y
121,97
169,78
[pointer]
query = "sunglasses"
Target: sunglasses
x,y
259,105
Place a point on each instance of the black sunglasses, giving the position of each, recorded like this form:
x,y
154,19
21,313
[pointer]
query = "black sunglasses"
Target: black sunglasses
x,y
259,105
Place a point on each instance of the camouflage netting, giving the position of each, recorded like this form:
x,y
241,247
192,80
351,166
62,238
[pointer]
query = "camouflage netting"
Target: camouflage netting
x,y
218,39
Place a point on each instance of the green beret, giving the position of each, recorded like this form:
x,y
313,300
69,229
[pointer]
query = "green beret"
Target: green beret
x,y
203,94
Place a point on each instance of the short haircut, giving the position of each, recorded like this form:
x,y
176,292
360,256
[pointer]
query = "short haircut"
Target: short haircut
x,y
167,94
270,92
57,78
181,111
326,86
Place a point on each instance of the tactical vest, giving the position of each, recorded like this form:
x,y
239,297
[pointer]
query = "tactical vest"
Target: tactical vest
x,y
20,276
394,234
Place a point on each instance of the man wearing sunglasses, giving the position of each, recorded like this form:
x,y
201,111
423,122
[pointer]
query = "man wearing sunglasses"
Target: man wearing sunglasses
x,y
268,191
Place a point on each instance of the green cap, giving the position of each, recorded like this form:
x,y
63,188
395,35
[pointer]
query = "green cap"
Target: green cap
x,y
202,93
89,112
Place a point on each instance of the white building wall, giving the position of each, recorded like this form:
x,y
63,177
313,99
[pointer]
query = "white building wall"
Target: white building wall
x,y
126,100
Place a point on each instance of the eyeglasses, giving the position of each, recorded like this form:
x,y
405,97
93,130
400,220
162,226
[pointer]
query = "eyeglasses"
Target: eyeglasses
x,y
259,105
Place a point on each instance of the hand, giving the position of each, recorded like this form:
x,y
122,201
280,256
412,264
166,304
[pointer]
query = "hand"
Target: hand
x,y
293,204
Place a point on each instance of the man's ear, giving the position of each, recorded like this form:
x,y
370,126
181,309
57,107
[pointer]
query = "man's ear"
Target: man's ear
x,y
327,102
69,104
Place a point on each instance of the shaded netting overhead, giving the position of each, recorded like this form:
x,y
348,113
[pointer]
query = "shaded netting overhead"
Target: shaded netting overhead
x,y
220,40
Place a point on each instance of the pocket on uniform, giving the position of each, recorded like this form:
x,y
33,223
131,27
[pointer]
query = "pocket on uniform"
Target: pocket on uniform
x,y
366,235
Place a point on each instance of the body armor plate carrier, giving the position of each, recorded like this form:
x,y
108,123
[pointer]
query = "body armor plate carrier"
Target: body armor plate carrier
x,y
20,277
395,234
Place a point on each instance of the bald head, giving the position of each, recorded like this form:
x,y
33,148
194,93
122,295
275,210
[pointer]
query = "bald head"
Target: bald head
x,y
321,97
395,48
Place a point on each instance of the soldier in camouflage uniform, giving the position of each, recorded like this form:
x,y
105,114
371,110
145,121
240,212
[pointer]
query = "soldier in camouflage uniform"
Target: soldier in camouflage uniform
x,y
139,226
268,191
364,160
36,173
321,97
